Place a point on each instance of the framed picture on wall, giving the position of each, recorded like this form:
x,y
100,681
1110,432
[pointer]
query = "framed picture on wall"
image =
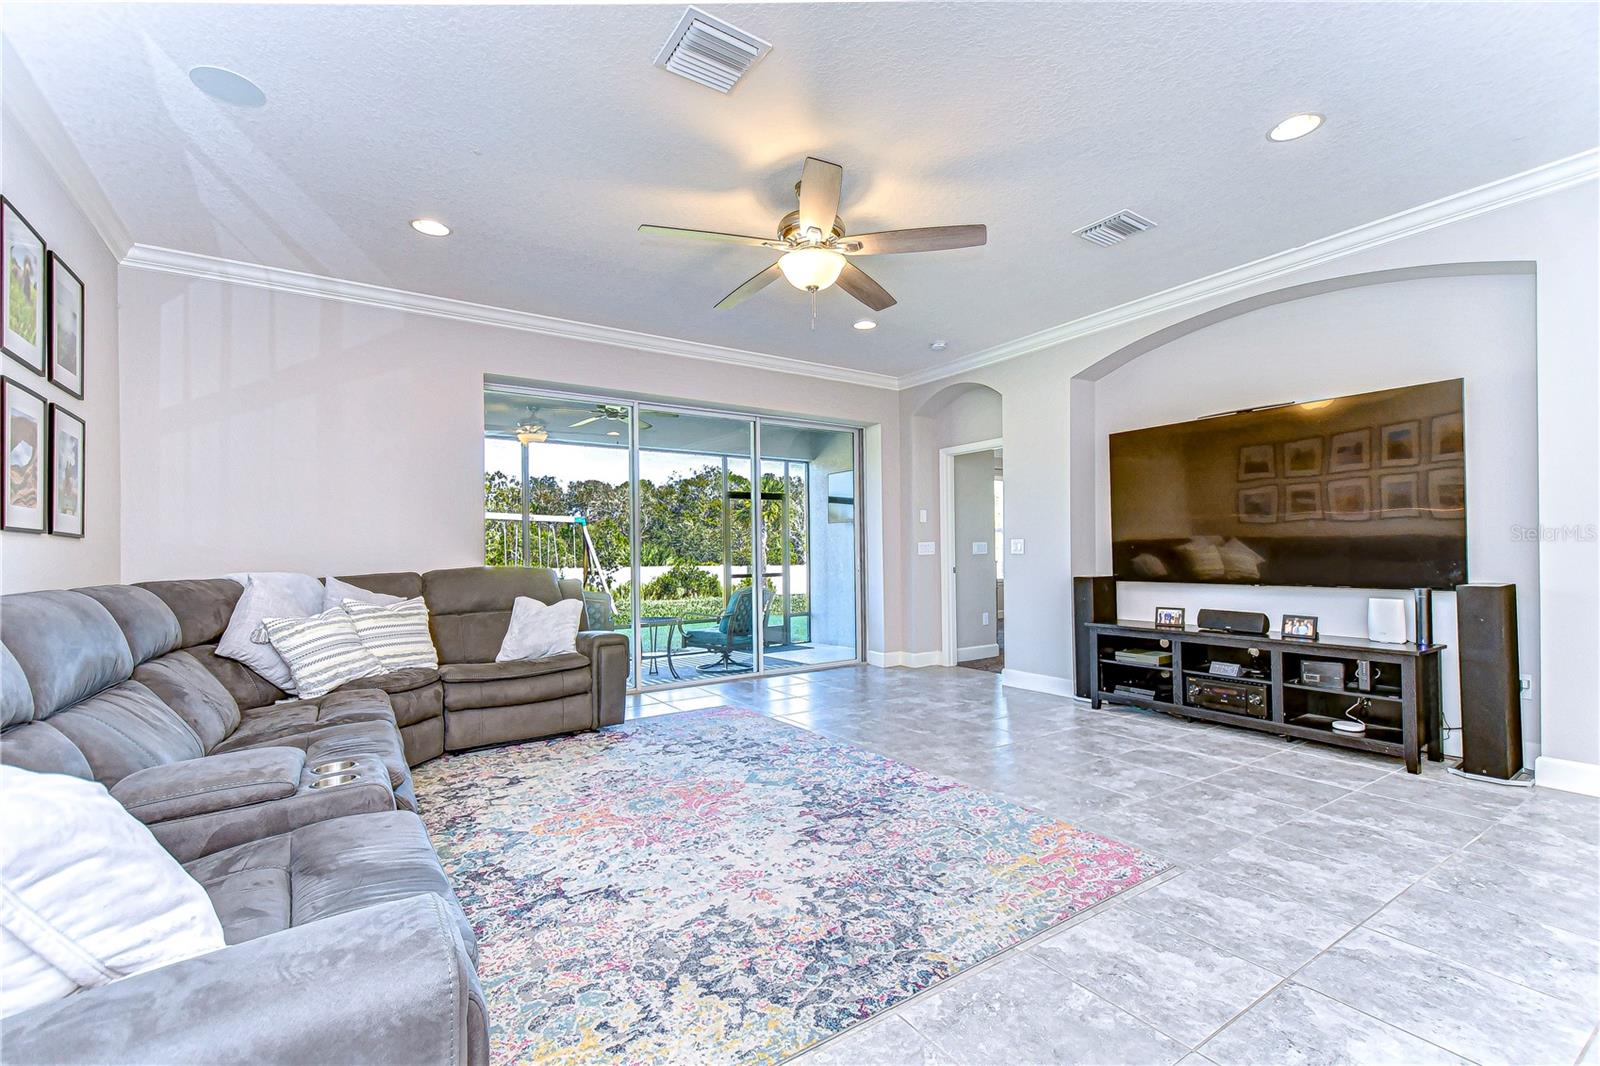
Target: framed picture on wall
x,y
24,295
66,327
1259,506
1351,450
1303,458
1302,501
1398,445
23,434
66,472
1256,462
1447,493
1447,441
1350,499
1397,496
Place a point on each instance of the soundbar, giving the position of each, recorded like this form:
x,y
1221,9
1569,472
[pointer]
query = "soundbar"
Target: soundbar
x,y
1251,623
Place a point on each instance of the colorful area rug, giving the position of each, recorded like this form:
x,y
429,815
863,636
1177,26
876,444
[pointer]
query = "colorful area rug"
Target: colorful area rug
x,y
718,887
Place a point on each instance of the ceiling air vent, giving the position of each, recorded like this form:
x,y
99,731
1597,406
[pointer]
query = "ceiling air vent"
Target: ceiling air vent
x,y
711,52
1115,228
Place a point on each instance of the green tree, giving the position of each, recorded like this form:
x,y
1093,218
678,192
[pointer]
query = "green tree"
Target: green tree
x,y
680,518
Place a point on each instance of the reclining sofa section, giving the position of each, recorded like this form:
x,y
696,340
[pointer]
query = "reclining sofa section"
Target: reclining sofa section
x,y
162,636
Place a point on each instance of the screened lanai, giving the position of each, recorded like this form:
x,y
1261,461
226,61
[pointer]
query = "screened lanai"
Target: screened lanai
x,y
710,572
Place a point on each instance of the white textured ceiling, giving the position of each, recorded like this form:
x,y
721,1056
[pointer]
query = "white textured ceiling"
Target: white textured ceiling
x,y
544,136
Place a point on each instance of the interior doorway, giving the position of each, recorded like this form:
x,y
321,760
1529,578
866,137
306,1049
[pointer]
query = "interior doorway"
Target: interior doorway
x,y
971,507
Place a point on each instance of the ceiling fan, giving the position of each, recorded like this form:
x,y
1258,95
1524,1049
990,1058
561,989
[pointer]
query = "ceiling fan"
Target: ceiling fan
x,y
817,252
615,412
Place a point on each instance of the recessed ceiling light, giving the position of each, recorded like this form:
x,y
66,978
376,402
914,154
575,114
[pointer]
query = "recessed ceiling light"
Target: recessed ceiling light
x,y
430,226
225,85
613,433
937,346
866,324
1295,126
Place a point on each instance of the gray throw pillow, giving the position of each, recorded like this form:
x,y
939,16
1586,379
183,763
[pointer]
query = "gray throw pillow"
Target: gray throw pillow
x,y
266,596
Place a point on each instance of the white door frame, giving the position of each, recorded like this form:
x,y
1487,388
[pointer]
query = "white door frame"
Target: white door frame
x,y
947,537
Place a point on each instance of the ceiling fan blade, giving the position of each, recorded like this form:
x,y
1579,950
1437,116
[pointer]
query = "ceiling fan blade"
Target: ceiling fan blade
x,y
854,280
750,288
585,422
712,235
820,182
927,239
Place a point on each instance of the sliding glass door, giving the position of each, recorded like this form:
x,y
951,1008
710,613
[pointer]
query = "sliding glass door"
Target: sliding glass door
x,y
697,611
810,546
557,493
721,544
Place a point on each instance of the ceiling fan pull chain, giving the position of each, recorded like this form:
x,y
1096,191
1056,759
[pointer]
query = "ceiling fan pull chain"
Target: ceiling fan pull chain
x,y
813,310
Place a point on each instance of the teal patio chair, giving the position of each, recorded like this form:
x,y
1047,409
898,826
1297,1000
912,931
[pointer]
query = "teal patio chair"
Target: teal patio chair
x,y
733,633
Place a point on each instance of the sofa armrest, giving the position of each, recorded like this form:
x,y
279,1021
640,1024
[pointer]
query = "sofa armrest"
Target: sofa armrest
x,y
386,984
608,660
214,783
201,806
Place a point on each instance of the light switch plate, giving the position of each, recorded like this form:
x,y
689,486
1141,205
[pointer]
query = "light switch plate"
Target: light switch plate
x,y
922,515
985,617
980,547
925,547
1016,546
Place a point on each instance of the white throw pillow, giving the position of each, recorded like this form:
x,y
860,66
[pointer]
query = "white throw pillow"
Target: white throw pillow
x,y
323,651
539,630
336,593
275,595
87,895
396,633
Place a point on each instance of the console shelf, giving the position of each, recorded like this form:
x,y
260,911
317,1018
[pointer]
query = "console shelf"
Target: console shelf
x,y
1399,703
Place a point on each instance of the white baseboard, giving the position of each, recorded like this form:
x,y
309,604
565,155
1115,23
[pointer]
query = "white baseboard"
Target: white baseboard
x,y
1567,775
1055,686
977,651
913,659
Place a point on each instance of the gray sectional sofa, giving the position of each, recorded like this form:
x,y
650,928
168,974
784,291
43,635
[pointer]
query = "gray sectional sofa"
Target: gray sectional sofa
x,y
345,942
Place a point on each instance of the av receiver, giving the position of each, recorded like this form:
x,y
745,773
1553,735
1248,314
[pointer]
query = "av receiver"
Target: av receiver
x,y
1236,697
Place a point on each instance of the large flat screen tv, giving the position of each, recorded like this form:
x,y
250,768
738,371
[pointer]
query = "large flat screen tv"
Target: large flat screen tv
x,y
1365,491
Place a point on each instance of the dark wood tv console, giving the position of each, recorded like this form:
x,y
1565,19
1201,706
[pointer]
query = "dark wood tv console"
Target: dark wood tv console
x,y
1399,701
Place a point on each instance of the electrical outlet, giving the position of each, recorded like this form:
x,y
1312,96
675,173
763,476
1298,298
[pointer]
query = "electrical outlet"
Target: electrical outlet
x,y
985,617
1016,546
1525,684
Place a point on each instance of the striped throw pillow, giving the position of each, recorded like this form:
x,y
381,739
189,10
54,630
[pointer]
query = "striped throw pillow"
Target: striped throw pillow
x,y
323,651
397,633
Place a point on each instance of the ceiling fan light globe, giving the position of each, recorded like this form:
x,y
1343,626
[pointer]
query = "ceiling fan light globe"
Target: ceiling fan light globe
x,y
811,269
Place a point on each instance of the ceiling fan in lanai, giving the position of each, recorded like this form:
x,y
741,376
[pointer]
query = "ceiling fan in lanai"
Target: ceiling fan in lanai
x,y
817,250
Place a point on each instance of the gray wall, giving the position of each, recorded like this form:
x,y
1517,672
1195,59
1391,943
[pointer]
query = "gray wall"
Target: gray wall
x,y
960,414
1360,340
1050,425
278,431
32,561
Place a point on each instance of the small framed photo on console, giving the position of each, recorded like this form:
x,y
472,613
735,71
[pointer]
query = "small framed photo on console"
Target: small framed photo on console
x,y
1299,627
1169,617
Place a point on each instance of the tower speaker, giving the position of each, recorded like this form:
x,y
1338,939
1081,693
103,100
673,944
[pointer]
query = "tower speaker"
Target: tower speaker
x,y
1491,715
1094,599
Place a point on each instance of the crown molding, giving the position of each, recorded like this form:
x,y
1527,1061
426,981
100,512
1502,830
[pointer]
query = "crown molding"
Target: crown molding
x,y
39,124
299,283
1540,181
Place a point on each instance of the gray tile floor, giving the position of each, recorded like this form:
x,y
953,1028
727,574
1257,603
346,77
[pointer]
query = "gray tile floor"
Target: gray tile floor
x,y
1326,907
